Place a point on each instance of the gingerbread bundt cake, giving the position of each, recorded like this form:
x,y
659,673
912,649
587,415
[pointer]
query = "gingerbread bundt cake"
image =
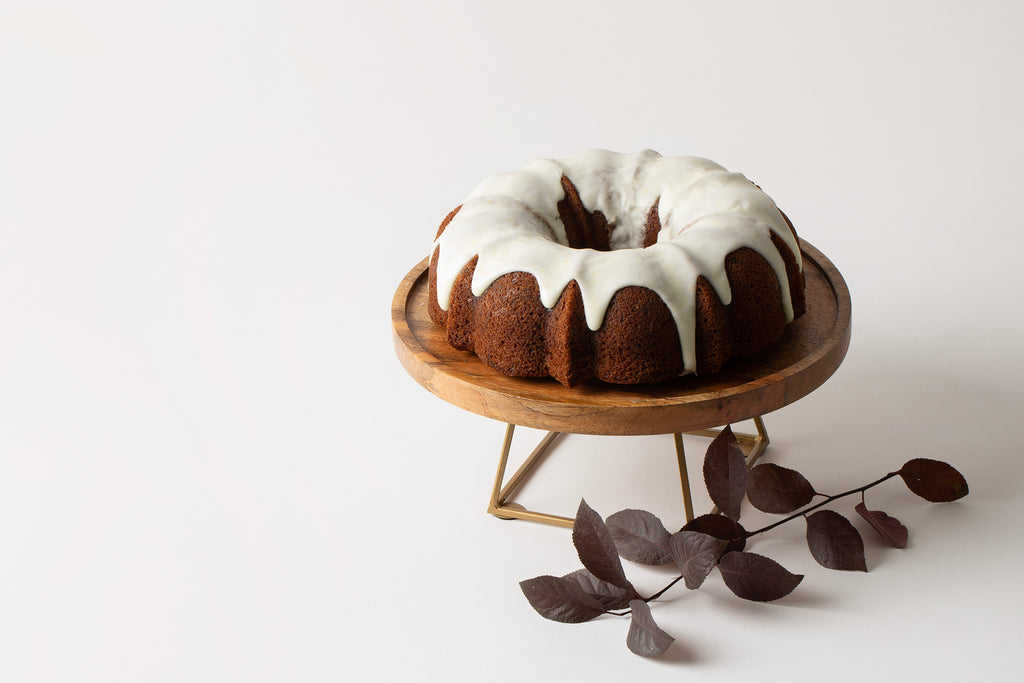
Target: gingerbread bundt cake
x,y
626,268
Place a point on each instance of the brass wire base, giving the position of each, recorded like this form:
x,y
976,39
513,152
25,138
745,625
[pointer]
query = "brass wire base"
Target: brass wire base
x,y
503,507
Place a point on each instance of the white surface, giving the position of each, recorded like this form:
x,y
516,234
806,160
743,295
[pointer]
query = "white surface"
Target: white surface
x,y
215,469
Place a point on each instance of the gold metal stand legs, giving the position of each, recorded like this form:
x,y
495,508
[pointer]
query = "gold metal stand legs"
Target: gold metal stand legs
x,y
501,505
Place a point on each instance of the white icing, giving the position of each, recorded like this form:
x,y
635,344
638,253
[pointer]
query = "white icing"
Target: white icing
x,y
511,221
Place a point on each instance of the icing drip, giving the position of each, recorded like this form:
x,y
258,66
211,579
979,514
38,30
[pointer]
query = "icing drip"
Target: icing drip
x,y
511,221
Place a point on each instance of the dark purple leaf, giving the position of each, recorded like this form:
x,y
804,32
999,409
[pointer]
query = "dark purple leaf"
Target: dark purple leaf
x,y
640,537
607,595
560,599
834,542
696,555
934,480
725,473
596,548
889,528
644,637
756,577
721,527
779,490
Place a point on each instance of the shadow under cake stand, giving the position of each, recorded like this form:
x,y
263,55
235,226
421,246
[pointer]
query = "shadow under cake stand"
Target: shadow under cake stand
x,y
811,349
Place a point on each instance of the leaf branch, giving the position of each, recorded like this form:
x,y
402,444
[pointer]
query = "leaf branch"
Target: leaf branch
x,y
718,541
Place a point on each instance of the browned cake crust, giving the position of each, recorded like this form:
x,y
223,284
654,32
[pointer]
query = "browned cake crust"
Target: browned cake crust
x,y
512,331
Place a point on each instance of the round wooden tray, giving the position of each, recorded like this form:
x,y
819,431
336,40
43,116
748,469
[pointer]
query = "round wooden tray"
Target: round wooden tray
x,y
807,355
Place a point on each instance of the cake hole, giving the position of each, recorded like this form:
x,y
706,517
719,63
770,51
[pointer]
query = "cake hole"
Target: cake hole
x,y
585,229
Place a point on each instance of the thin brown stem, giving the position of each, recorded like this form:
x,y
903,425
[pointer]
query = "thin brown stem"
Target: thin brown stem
x,y
828,499
659,593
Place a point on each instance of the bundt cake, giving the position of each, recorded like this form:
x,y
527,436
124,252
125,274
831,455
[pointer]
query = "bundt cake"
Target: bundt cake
x,y
625,268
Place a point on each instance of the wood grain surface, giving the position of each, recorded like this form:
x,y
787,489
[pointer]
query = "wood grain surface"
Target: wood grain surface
x,y
808,354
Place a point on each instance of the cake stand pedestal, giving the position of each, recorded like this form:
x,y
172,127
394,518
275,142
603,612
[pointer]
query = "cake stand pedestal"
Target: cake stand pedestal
x,y
811,349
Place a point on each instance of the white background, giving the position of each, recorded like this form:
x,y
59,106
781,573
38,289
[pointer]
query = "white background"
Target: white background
x,y
213,468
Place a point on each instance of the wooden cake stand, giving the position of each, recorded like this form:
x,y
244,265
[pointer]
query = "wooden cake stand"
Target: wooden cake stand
x,y
811,349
